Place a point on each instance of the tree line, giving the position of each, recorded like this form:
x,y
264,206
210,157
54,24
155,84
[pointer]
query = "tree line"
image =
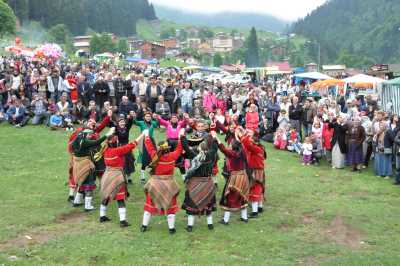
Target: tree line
x,y
117,16
356,32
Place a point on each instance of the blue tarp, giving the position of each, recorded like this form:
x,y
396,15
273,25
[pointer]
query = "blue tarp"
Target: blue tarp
x,y
141,60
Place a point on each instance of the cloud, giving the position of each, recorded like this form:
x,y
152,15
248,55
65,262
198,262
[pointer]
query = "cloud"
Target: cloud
x,y
284,9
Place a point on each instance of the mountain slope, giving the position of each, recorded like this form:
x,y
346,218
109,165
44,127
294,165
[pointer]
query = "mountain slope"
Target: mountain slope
x,y
365,28
225,19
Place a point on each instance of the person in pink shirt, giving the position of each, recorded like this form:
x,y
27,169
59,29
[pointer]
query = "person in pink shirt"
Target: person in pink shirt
x,y
209,101
173,127
252,118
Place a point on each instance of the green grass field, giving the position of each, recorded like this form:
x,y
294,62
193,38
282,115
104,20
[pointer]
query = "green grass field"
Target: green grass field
x,y
313,216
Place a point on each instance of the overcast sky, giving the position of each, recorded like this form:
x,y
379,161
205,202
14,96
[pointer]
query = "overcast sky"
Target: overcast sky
x,y
284,9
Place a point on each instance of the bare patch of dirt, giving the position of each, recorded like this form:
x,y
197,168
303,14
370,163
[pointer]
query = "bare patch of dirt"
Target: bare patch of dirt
x,y
41,234
284,227
308,219
343,234
71,218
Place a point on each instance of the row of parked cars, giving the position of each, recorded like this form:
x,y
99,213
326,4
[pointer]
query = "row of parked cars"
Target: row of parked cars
x,y
224,77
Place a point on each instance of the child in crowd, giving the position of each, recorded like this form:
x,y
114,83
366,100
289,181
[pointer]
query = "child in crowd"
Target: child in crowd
x,y
280,140
307,151
283,119
294,144
317,148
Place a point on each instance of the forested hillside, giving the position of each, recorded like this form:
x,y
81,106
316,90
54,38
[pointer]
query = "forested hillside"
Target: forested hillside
x,y
117,16
366,30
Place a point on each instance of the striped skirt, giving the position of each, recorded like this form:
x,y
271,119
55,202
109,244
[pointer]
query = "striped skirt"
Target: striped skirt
x,y
236,192
200,196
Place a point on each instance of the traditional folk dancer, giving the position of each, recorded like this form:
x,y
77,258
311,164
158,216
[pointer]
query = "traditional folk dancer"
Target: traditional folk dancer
x,y
200,187
235,194
122,127
255,157
162,189
83,166
90,124
173,127
113,182
149,124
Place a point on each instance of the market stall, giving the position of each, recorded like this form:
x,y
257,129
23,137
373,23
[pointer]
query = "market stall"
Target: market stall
x,y
390,96
362,84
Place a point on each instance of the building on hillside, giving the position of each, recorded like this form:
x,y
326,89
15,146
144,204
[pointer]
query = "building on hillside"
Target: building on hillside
x,y
149,50
222,43
311,67
192,31
205,48
278,51
187,58
82,43
134,45
283,66
193,43
170,43
336,71
384,71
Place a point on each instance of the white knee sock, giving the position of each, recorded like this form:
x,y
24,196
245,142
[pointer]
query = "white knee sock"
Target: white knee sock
x,y
190,220
103,209
71,191
254,206
88,203
146,218
142,174
171,221
260,204
78,198
243,213
209,219
227,215
122,214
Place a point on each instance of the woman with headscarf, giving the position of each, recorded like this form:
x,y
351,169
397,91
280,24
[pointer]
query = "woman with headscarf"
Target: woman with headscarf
x,y
236,191
162,189
149,124
355,138
339,148
122,128
383,146
200,187
113,182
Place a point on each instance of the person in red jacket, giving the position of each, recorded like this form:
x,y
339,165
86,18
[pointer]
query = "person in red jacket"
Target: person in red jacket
x,y
162,189
90,124
255,157
113,182
236,191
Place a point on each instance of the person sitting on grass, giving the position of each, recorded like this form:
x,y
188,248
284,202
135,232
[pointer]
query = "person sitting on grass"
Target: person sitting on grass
x,y
294,144
39,106
17,114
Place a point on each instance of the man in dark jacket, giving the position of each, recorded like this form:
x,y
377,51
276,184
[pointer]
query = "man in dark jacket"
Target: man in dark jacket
x,y
295,112
120,88
171,95
152,92
126,106
101,91
84,91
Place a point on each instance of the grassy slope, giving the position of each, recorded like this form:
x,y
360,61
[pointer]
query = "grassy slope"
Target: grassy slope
x,y
302,202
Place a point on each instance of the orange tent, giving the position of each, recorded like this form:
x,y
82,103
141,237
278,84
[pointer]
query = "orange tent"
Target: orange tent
x,y
323,84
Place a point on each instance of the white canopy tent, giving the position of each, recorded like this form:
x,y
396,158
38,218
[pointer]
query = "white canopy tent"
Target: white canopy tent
x,y
313,75
362,78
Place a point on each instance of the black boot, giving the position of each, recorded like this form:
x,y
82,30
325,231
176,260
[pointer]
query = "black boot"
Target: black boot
x,y
253,215
172,231
210,227
244,220
222,221
124,224
70,199
104,219
143,228
189,228
260,209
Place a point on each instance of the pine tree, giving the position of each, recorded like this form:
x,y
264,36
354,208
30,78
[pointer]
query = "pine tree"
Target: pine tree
x,y
252,50
7,19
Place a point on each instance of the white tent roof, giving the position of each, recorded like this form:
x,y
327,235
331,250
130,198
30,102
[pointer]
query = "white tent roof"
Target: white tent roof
x,y
363,78
313,75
